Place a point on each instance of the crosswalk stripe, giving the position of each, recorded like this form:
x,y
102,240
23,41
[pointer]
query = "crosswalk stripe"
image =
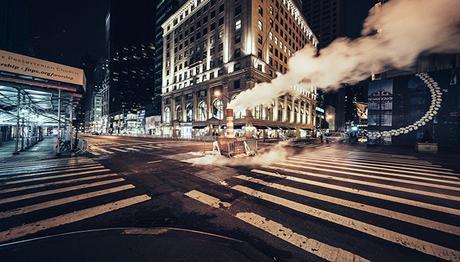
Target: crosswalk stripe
x,y
54,177
16,189
31,174
118,149
360,206
389,235
40,166
400,200
141,147
59,190
207,199
276,229
375,184
68,218
420,176
132,149
104,151
62,201
389,161
310,245
46,161
449,174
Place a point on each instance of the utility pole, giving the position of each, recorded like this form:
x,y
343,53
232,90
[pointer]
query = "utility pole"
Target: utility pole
x,y
18,109
58,147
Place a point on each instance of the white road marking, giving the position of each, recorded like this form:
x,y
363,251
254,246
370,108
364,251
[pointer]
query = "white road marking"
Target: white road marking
x,y
389,235
310,245
105,151
9,190
40,166
399,200
375,184
119,150
360,206
375,170
54,177
207,199
31,174
68,218
59,190
344,161
132,149
62,201
155,161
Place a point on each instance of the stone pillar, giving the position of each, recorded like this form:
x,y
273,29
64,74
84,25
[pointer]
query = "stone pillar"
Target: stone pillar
x,y
299,114
184,110
173,108
305,112
209,102
293,110
195,106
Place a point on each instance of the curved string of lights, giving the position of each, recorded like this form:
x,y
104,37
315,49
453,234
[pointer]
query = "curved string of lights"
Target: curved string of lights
x,y
436,99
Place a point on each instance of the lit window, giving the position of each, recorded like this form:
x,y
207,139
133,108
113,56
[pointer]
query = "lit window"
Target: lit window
x,y
238,24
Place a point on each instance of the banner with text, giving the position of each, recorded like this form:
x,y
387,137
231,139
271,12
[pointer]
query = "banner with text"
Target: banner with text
x,y
29,66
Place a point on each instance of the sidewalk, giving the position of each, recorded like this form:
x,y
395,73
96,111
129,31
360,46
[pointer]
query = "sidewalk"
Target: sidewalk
x,y
43,150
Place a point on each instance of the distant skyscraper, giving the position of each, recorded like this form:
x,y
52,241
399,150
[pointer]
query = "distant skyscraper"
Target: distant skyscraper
x,y
131,30
330,19
164,9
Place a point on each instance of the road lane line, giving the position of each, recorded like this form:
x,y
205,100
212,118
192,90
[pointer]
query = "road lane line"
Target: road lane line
x,y
40,165
9,190
360,206
62,201
207,199
448,174
375,170
382,233
359,173
374,184
54,177
105,151
309,245
119,150
68,218
365,193
59,190
92,167
154,162
132,149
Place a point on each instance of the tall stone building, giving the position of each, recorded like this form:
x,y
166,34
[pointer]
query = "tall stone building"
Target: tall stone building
x,y
212,50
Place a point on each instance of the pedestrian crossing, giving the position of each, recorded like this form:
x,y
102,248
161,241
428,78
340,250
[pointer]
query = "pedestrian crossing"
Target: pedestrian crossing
x,y
107,149
390,205
36,196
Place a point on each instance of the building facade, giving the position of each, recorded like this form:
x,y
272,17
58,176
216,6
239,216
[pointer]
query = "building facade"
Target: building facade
x,y
213,50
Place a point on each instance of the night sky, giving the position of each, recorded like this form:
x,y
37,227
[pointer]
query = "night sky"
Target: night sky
x,y
64,31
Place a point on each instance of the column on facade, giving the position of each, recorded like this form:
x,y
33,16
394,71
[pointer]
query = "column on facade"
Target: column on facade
x,y
305,112
299,111
173,108
293,110
184,109
195,106
312,113
209,97
285,109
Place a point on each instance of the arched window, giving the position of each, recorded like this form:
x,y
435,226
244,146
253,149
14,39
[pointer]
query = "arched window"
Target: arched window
x,y
189,111
288,117
280,112
202,111
296,115
257,112
218,109
179,113
270,113
302,116
167,114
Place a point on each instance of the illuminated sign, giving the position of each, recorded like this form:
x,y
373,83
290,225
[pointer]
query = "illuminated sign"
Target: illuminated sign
x,y
29,66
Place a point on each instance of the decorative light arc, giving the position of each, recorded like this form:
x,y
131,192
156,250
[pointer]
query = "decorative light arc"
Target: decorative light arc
x,y
436,99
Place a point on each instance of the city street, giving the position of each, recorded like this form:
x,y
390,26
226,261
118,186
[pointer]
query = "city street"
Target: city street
x,y
331,202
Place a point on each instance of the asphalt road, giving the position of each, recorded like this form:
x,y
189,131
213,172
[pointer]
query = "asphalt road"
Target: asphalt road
x,y
325,202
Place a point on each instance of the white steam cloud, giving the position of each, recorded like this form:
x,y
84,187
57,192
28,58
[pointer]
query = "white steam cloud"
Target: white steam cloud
x,y
407,28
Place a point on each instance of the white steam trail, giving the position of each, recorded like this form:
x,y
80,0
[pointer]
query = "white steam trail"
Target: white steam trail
x,y
407,29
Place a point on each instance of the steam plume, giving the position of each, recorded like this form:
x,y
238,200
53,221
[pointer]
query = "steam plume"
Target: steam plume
x,y
407,28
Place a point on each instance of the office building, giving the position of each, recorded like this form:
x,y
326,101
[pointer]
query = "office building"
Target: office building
x,y
212,50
